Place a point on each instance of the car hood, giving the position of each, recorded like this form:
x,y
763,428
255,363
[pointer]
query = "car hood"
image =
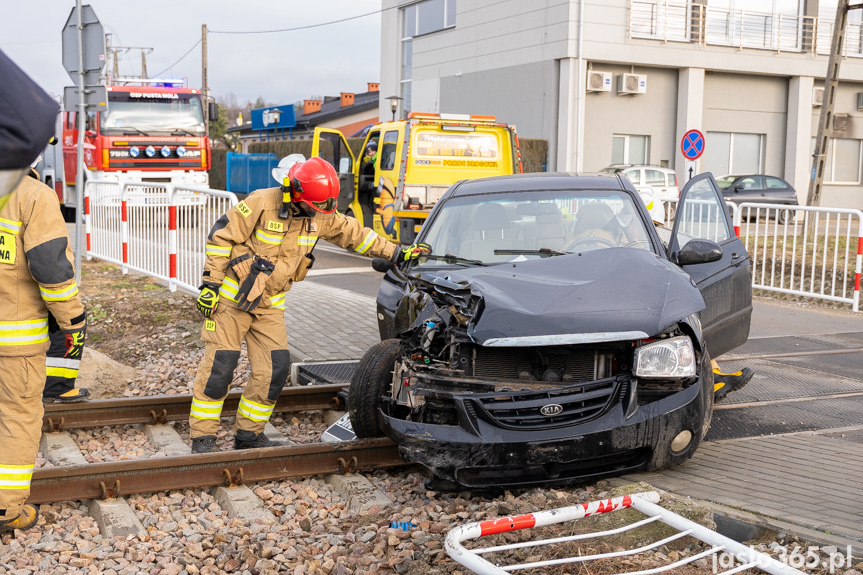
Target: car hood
x,y
601,295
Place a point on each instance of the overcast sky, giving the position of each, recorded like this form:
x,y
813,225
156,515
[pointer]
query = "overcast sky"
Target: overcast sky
x,y
282,67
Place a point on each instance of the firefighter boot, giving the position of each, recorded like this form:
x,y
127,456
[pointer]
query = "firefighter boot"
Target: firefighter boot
x,y
724,383
25,520
204,444
251,440
76,395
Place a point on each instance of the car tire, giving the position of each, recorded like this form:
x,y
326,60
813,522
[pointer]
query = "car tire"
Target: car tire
x,y
782,216
372,378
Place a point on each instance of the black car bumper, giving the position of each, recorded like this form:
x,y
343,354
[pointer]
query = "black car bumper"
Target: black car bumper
x,y
484,455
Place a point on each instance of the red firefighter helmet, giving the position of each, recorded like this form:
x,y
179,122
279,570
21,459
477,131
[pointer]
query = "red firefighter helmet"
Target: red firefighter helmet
x,y
315,183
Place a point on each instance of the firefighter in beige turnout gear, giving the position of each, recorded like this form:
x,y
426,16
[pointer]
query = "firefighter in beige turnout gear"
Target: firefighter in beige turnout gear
x,y
36,277
255,252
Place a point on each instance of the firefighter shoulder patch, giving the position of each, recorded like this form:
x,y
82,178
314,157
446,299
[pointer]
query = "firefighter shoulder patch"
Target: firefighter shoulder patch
x,y
210,325
7,249
275,226
244,209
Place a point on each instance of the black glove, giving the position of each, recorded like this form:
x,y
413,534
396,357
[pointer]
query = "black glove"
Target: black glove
x,y
208,301
410,253
252,290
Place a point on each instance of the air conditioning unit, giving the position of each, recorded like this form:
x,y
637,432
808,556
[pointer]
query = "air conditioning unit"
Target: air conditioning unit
x,y
632,84
598,81
817,97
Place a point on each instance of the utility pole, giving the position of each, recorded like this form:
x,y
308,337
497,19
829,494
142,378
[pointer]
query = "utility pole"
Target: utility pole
x,y
204,78
825,121
82,165
144,65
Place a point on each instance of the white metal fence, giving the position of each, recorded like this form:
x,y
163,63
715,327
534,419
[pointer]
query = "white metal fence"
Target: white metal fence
x,y
797,250
807,251
738,556
156,229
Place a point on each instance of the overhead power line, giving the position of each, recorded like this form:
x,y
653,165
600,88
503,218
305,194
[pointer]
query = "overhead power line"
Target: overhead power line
x,y
294,29
180,60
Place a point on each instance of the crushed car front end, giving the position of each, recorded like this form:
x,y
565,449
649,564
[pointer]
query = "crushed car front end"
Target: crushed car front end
x,y
547,409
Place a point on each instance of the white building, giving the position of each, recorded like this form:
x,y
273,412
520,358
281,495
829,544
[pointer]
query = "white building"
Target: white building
x,y
746,73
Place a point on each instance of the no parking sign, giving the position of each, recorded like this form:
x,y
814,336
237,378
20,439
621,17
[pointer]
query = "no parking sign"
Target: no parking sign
x,y
692,146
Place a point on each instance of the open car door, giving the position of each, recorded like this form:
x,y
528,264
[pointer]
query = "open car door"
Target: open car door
x,y
332,147
726,284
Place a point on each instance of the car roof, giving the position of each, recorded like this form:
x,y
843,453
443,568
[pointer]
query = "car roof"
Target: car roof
x,y
628,166
538,182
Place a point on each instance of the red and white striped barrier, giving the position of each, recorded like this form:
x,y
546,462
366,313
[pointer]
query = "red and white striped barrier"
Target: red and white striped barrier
x,y
152,228
643,502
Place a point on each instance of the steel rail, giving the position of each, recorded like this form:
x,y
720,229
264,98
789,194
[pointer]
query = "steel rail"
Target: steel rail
x,y
118,478
162,408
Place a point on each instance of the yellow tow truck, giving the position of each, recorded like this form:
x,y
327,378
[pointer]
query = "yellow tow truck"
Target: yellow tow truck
x,y
417,160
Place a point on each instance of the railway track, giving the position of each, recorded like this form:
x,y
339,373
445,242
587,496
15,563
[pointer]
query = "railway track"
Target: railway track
x,y
157,409
230,468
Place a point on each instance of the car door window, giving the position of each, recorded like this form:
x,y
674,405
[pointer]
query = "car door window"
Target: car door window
x,y
750,183
388,151
702,215
633,176
654,178
775,183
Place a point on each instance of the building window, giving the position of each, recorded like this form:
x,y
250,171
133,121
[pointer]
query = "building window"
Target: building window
x,y
626,149
417,19
842,160
732,153
429,16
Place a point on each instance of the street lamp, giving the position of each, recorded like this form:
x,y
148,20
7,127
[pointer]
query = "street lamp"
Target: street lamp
x,y
394,105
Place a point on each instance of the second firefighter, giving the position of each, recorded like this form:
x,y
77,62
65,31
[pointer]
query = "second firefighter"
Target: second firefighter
x,y
255,252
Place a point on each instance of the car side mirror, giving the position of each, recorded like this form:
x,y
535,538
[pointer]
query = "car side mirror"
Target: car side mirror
x,y
698,251
382,265
736,187
212,111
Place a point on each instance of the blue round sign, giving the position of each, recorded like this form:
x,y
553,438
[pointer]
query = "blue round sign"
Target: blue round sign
x,y
692,145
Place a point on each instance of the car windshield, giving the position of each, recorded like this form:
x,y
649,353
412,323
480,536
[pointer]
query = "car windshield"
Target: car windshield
x,y
725,182
518,226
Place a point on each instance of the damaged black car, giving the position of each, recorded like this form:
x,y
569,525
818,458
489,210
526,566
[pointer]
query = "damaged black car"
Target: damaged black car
x,y
555,334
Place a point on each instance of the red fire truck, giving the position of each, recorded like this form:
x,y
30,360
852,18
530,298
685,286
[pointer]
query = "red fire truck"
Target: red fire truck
x,y
146,133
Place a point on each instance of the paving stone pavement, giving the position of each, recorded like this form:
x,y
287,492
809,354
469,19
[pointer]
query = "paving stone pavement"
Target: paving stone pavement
x,y
344,329
806,479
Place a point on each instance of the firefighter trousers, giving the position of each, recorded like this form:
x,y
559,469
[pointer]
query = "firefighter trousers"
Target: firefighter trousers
x,y
270,360
21,383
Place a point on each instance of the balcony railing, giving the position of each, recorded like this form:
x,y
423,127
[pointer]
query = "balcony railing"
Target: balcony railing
x,y
675,21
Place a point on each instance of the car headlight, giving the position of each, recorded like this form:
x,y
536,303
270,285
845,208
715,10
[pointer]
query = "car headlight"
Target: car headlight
x,y
667,358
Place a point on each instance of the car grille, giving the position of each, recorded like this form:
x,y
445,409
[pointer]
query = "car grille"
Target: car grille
x,y
576,364
522,409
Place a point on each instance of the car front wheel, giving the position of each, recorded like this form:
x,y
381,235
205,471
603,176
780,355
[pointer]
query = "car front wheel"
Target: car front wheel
x,y
782,216
370,381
